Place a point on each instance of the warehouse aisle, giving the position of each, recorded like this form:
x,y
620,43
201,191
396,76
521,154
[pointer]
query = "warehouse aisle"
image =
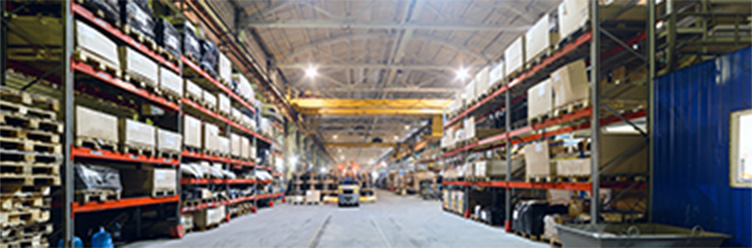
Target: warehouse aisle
x,y
392,221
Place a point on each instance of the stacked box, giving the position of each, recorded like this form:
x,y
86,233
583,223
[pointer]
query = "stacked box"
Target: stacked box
x,y
245,147
139,182
573,14
97,44
537,160
139,67
235,146
570,83
209,99
514,56
540,99
224,145
224,67
170,82
193,91
208,217
539,38
470,92
211,137
105,127
496,75
612,146
192,131
224,104
137,135
168,142
109,8
482,82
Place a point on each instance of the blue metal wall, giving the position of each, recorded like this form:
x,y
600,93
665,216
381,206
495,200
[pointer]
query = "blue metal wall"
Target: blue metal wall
x,y
692,109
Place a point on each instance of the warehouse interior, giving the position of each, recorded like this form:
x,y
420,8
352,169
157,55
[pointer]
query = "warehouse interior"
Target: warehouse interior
x,y
374,123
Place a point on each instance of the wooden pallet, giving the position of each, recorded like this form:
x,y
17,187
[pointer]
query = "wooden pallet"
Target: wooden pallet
x,y
18,202
573,178
24,217
22,144
554,242
30,240
168,55
143,82
30,100
27,111
571,107
14,189
138,150
10,168
163,192
140,37
30,157
207,227
34,135
192,203
29,122
540,179
22,232
99,63
100,195
168,154
96,144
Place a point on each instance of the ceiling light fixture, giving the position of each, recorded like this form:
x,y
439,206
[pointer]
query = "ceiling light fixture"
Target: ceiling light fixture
x,y
334,136
462,74
396,137
407,127
311,72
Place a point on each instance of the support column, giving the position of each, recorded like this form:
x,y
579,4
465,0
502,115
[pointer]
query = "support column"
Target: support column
x,y
595,74
651,102
68,181
508,126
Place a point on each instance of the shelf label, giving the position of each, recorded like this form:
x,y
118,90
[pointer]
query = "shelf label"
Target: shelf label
x,y
104,75
100,22
134,157
95,153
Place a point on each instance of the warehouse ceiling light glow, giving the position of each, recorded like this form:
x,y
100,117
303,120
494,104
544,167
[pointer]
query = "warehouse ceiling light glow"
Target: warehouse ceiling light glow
x,y
462,74
311,72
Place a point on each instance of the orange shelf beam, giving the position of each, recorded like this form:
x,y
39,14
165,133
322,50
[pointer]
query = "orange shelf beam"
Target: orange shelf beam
x,y
122,203
81,152
216,83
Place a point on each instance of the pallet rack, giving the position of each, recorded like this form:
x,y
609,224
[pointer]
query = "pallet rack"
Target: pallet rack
x,y
70,83
587,44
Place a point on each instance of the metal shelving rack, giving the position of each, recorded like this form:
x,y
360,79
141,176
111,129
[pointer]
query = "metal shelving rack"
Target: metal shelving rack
x,y
71,12
587,44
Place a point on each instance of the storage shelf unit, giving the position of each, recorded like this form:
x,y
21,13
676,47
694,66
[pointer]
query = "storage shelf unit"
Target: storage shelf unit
x,y
512,90
122,203
82,152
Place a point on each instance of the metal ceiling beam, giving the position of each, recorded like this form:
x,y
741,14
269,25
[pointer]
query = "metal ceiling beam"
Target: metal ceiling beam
x,y
360,144
352,24
395,90
258,15
311,103
357,65
363,112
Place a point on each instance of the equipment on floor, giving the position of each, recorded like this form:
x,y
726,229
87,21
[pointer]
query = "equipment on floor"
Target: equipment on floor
x,y
349,193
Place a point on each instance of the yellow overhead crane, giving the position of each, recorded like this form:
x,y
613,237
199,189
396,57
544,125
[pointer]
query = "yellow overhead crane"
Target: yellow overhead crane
x,y
334,106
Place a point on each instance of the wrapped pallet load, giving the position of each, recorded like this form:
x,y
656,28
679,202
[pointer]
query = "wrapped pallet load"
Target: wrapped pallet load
x,y
224,145
537,161
137,136
189,41
192,132
155,182
139,68
514,57
209,54
570,82
210,100
245,149
94,177
168,38
110,9
540,39
235,145
482,83
104,130
169,142
224,104
170,83
138,19
224,67
93,45
540,99
193,91
211,137
496,75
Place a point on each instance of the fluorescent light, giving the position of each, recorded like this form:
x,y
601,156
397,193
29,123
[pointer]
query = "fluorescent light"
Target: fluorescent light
x,y
334,136
323,170
311,72
407,127
396,137
462,74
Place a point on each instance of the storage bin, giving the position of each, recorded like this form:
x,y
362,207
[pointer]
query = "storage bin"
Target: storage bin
x,y
139,67
169,142
170,82
92,43
137,135
105,127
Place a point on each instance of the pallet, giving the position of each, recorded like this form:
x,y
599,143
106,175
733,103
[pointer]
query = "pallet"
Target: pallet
x,y
30,100
168,55
100,195
138,150
141,38
24,217
554,242
573,178
22,144
9,168
14,190
192,203
529,236
208,227
31,240
96,144
169,155
540,179
163,192
537,59
22,232
571,107
28,122
27,111
99,63
143,82
30,157
33,135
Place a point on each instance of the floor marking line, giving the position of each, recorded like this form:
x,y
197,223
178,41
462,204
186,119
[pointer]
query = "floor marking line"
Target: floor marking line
x,y
319,232
383,236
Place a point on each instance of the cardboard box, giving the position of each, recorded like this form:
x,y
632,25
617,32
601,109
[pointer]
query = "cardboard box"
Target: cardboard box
x,y
192,131
514,56
313,196
224,104
236,115
139,67
193,91
209,99
211,137
245,90
104,128
539,38
570,83
496,167
235,146
223,145
169,141
470,92
537,161
540,99
140,182
573,167
224,68
572,15
496,75
245,147
481,82
252,152
208,217
469,127
96,44
137,135
170,82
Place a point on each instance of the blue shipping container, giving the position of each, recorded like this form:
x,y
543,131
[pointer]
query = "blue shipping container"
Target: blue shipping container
x,y
691,176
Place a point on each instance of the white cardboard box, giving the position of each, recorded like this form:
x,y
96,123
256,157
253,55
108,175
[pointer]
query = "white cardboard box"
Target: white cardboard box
x,y
105,127
224,145
539,38
470,92
139,67
96,43
537,161
170,82
496,75
224,67
469,126
482,82
191,131
570,83
236,115
572,15
137,134
245,147
224,104
168,141
193,90
514,56
235,146
539,99
211,137
210,99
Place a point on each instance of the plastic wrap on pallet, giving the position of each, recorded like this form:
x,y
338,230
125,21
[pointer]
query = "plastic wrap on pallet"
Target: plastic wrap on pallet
x,y
263,175
96,43
139,67
110,9
97,177
168,141
170,81
229,174
190,44
191,131
104,128
209,54
193,90
138,18
192,170
168,37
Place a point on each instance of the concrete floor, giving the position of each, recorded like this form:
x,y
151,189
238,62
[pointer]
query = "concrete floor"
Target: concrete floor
x,y
393,221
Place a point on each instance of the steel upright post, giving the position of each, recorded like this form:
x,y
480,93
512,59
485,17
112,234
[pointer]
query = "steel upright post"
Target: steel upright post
x,y
595,74
508,126
3,43
651,102
68,222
